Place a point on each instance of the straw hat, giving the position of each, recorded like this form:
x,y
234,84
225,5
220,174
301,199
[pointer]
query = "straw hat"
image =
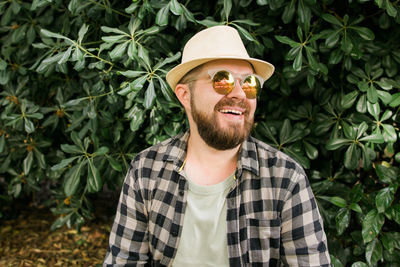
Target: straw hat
x,y
218,42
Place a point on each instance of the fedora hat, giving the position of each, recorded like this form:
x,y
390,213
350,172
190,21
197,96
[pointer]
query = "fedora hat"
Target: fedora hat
x,y
218,42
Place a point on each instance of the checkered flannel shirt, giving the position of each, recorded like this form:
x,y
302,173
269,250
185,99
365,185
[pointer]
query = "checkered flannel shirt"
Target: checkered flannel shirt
x,y
272,217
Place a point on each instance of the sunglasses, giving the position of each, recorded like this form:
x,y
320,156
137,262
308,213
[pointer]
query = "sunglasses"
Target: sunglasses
x,y
223,82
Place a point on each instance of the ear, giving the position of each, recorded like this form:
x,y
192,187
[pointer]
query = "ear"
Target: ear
x,y
182,92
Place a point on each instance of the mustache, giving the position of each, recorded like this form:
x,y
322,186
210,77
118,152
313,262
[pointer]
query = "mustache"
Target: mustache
x,y
232,103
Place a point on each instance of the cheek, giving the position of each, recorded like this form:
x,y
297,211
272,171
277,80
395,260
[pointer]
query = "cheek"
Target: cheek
x,y
253,106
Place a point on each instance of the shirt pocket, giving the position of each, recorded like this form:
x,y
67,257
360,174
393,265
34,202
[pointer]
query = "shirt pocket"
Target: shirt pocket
x,y
263,241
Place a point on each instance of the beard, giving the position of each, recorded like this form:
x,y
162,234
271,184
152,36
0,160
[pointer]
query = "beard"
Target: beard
x,y
214,134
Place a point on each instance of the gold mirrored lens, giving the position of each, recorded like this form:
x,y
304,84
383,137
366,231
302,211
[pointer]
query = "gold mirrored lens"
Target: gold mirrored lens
x,y
223,82
251,86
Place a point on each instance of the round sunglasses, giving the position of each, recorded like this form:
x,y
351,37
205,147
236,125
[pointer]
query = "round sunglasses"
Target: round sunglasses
x,y
223,82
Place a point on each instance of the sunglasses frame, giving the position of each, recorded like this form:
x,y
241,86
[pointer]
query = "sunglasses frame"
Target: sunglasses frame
x,y
236,76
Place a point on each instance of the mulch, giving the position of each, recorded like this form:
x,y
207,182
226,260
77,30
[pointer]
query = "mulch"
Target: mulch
x,y
26,240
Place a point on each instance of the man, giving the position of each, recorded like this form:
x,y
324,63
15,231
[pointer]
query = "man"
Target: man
x,y
214,196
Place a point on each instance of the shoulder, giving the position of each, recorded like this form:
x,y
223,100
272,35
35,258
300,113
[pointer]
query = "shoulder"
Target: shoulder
x,y
271,157
171,149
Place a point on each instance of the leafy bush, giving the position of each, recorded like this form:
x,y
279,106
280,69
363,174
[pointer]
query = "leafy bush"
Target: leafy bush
x,y
83,90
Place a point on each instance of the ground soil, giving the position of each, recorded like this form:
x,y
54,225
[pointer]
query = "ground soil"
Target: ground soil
x,y
26,240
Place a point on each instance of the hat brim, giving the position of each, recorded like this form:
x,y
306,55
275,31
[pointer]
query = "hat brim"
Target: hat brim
x,y
262,68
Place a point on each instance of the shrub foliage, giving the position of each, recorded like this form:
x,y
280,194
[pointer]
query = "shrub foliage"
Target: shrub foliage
x,y
83,89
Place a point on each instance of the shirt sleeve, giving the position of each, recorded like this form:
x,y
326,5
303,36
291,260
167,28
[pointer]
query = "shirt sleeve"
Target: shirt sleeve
x,y
128,244
303,238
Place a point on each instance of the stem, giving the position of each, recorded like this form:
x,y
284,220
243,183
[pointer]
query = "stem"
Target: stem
x,y
92,55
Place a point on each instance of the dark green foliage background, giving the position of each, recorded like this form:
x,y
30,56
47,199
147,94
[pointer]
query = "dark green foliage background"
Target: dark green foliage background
x,y
83,89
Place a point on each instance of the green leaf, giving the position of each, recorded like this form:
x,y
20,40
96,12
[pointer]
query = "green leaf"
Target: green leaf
x,y
359,264
346,45
391,241
351,157
288,12
342,220
143,54
77,140
364,33
348,100
389,133
101,151
65,56
28,162
386,174
227,8
2,143
332,39
362,104
287,40
332,19
132,51
373,252
372,94
119,50
304,14
152,30
71,149
40,159
285,132
395,100
53,35
29,126
115,164
150,95
113,30
245,33
94,182
131,73
311,151
72,181
385,97
298,62
165,90
384,198
162,16
136,115
311,59
189,15
337,201
336,143
373,138
175,7
64,163
82,31
394,212
372,225
374,110
355,207
62,220
113,38
356,193
390,9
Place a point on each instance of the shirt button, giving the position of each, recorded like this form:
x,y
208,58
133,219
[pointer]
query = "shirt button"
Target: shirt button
x,y
174,233
181,193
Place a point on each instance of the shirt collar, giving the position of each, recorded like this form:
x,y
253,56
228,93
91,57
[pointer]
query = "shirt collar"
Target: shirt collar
x,y
248,159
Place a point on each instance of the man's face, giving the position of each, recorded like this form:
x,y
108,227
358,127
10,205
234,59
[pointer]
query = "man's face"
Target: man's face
x,y
223,121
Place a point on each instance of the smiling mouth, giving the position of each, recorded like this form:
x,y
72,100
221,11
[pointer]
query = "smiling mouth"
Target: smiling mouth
x,y
231,111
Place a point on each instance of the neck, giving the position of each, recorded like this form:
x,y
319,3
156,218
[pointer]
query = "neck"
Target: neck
x,y
207,165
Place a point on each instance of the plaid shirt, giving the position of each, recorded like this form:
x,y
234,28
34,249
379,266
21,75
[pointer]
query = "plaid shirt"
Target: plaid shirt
x,y
272,217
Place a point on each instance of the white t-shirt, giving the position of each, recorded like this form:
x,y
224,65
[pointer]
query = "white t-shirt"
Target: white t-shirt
x,y
204,239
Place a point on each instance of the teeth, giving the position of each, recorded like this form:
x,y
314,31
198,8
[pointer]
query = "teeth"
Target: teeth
x,y
231,111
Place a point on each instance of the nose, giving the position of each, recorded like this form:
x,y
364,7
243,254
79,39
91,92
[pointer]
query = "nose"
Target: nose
x,y
237,91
